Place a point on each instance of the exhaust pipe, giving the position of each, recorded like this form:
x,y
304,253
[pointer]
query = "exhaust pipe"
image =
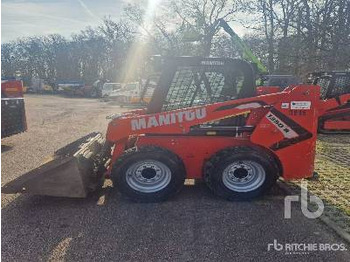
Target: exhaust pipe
x,y
73,171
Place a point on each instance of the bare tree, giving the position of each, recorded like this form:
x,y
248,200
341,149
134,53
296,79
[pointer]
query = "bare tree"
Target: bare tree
x,y
200,18
288,36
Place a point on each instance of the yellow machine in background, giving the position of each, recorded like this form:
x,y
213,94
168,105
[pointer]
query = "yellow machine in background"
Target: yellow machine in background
x,y
39,86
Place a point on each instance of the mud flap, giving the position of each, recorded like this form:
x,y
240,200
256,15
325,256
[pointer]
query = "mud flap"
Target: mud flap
x,y
73,171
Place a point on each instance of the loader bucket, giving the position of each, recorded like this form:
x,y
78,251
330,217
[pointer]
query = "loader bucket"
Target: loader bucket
x,y
71,172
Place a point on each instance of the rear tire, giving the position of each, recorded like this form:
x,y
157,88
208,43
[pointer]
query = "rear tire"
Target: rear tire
x,y
149,174
241,173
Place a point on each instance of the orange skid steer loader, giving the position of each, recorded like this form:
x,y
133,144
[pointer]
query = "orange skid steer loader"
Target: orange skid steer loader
x,y
189,130
333,84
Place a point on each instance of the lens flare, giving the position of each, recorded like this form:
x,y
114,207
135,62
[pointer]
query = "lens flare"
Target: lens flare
x,y
138,50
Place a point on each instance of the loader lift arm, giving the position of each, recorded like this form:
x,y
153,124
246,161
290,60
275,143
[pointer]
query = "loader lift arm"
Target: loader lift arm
x,y
247,53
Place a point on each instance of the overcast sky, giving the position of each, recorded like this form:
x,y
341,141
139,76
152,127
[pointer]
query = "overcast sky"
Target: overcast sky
x,y
21,18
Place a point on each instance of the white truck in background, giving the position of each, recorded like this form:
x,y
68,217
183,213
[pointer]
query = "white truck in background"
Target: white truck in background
x,y
109,88
128,94
134,92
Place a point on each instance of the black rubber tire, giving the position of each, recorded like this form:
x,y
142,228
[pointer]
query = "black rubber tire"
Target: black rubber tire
x,y
214,168
171,160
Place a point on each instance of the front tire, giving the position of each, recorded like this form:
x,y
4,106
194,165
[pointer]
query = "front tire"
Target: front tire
x,y
241,173
149,174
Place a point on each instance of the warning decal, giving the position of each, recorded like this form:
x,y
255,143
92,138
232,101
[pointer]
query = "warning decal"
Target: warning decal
x,y
285,105
306,105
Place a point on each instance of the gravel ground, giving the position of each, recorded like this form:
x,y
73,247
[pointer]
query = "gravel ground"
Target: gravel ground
x,y
333,183
193,226
333,166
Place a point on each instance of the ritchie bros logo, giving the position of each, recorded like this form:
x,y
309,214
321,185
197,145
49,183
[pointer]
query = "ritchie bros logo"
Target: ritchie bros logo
x,y
304,248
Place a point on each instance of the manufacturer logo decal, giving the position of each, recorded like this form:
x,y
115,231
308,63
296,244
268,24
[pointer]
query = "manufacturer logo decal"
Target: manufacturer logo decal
x,y
167,119
212,62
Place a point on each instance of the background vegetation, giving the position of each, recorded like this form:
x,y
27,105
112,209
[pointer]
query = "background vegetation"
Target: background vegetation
x,y
288,36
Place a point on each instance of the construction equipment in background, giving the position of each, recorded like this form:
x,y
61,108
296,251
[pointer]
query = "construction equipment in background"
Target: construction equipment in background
x,y
13,116
263,76
333,85
187,131
78,88
247,54
39,86
281,81
70,88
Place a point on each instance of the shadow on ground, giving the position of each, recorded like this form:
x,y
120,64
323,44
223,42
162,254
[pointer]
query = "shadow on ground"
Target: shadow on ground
x,y
5,148
193,226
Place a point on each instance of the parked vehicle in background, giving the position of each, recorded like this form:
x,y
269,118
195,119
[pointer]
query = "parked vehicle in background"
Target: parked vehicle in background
x,y
127,94
136,92
109,88
69,87
13,117
77,88
281,81
39,86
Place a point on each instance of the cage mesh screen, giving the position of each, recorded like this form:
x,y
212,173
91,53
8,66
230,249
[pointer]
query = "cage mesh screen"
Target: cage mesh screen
x,y
324,83
197,85
334,85
341,85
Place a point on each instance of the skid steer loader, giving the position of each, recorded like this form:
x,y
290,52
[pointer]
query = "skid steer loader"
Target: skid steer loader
x,y
333,84
189,130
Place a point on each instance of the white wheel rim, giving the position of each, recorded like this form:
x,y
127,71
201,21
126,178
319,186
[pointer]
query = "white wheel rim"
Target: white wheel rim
x,y
243,176
148,176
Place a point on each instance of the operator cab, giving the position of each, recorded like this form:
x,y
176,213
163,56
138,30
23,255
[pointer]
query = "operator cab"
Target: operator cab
x,y
192,81
332,84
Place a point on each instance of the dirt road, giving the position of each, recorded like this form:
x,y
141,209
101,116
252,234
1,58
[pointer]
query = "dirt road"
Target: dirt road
x,y
194,226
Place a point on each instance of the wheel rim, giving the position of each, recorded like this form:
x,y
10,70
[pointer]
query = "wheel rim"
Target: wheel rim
x,y
148,176
243,176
